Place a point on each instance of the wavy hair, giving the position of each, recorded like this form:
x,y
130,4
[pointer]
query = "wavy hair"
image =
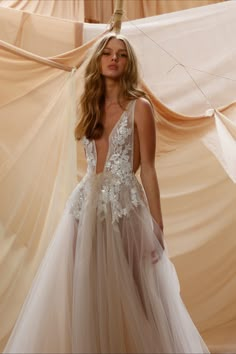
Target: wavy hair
x,y
92,100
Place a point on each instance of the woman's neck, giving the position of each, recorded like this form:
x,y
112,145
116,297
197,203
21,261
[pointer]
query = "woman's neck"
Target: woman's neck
x,y
112,92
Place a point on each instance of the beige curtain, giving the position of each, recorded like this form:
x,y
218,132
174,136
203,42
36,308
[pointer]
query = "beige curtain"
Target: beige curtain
x,y
74,9
36,34
187,62
100,11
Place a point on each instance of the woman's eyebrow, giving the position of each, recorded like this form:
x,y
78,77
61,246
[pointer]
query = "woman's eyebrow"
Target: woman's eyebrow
x,y
119,50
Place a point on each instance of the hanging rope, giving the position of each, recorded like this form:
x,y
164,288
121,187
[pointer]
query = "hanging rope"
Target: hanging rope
x,y
117,17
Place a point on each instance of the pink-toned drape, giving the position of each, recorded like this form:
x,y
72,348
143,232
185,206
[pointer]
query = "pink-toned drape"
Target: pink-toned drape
x,y
100,11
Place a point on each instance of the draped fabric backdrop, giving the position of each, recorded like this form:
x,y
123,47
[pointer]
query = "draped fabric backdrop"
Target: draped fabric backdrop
x,y
188,66
100,11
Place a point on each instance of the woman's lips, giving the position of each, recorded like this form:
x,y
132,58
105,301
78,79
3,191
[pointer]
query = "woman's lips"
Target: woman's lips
x,y
113,67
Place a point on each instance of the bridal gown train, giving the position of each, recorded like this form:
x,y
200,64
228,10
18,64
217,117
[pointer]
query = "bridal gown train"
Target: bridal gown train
x,y
105,284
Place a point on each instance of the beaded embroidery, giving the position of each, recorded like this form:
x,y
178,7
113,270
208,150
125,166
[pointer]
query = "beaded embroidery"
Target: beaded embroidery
x,y
118,188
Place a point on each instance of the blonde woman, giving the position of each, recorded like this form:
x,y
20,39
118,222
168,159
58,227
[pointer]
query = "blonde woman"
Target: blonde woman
x,y
106,284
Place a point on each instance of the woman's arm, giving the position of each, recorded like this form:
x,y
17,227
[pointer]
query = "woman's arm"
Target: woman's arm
x,y
145,123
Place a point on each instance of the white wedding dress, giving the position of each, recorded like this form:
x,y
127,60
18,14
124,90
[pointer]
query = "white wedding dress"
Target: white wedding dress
x,y
105,284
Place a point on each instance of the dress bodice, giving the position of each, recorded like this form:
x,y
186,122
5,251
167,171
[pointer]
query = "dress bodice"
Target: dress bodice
x,y
116,187
119,159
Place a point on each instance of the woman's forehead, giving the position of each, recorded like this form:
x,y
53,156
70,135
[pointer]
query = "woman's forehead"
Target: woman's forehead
x,y
115,43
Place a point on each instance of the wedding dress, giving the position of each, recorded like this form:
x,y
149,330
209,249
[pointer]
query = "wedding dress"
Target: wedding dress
x,y
105,284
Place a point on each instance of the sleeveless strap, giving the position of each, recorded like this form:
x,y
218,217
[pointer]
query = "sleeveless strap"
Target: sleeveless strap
x,y
131,119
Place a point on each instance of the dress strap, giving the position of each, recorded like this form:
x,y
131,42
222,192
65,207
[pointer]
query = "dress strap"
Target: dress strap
x,y
131,123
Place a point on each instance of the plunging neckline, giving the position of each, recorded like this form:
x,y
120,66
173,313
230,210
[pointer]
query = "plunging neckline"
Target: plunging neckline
x,y
109,138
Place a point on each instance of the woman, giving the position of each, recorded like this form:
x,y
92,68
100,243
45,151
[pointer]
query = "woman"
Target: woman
x,y
106,284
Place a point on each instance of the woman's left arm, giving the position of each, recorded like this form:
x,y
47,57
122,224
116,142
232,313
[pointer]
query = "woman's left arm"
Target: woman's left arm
x,y
145,123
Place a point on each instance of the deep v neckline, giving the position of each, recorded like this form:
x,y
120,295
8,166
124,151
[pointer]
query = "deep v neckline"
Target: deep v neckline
x,y
109,138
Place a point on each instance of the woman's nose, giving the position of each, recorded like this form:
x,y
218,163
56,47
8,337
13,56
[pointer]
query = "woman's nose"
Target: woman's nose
x,y
114,57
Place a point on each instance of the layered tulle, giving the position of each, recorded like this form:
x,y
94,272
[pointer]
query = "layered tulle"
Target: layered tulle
x,y
105,287
126,292
44,324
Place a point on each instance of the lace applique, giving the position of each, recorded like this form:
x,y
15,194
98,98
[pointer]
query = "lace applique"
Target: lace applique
x,y
77,199
119,162
117,188
90,154
119,198
120,175
76,202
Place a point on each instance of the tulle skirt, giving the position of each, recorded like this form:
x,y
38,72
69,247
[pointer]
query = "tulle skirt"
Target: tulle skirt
x,y
105,287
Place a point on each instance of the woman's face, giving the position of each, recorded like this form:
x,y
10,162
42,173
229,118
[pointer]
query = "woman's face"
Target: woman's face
x,y
114,59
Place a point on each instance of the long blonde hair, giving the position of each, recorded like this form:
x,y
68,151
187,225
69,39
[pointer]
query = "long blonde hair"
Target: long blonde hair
x,y
93,97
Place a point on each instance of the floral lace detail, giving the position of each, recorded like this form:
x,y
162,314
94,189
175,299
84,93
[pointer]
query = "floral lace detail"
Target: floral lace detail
x,y
117,188
90,154
119,198
119,162
75,203
120,175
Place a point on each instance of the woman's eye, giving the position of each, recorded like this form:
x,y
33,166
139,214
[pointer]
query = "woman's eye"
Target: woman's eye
x,y
118,55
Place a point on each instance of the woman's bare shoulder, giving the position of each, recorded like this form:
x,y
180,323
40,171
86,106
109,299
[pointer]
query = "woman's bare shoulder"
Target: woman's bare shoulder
x,y
143,103
143,111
